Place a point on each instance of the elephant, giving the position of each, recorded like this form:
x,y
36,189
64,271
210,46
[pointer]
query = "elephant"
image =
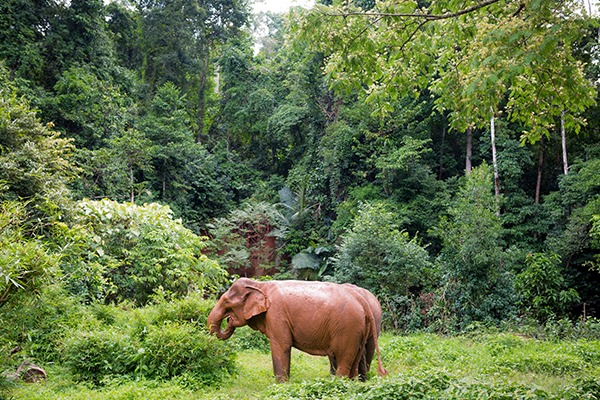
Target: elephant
x,y
369,350
319,318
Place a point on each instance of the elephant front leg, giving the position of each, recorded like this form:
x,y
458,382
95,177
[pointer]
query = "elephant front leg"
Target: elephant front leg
x,y
281,360
332,365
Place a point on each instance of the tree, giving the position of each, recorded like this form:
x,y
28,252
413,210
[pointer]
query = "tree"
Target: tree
x,y
21,36
132,149
123,24
179,37
474,55
472,258
87,108
183,173
34,160
376,255
34,172
248,238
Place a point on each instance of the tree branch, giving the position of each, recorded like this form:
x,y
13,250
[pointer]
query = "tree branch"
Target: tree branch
x,y
427,17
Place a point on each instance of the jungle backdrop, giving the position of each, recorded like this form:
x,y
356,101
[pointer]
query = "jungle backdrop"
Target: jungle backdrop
x,y
444,155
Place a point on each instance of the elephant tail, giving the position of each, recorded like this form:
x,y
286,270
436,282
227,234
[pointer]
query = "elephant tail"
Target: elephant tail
x,y
371,321
380,370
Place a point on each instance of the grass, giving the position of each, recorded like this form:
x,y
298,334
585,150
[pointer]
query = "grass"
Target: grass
x,y
483,366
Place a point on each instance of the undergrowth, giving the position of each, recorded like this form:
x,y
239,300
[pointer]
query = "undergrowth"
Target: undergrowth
x,y
429,384
422,366
163,350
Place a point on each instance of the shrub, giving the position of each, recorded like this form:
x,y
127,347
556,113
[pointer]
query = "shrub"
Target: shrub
x,y
38,323
192,309
473,263
141,250
92,355
25,264
164,340
376,255
173,349
246,338
542,287
245,238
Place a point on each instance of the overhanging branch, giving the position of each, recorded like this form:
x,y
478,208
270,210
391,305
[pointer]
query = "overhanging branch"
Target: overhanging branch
x,y
426,17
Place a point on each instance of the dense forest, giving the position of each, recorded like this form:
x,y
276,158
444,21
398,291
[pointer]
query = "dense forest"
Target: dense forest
x,y
444,155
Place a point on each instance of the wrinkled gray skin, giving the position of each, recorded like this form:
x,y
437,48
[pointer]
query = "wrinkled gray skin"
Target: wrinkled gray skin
x,y
369,350
318,318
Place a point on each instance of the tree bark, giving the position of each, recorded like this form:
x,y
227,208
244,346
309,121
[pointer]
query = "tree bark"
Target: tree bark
x,y
442,155
538,184
564,143
201,87
132,198
164,180
469,151
494,158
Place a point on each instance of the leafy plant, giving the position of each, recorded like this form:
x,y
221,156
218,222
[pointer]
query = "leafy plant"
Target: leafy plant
x,y
542,287
248,238
311,263
164,340
171,349
472,260
92,355
143,249
376,255
36,324
25,264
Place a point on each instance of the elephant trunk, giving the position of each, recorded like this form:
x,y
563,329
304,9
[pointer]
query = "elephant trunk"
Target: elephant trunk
x,y
214,324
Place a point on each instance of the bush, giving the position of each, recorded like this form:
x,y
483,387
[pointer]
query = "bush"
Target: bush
x,y
25,264
192,309
140,250
376,255
164,340
38,323
246,338
173,349
473,262
542,287
92,355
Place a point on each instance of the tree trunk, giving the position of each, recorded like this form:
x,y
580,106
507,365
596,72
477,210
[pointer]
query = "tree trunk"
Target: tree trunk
x,y
539,174
201,87
494,158
469,151
538,184
442,155
131,180
564,143
164,180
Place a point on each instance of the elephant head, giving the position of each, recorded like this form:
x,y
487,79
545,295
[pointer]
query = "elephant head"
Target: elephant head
x,y
244,300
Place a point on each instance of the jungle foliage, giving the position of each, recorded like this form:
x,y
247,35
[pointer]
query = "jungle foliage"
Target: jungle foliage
x,y
445,155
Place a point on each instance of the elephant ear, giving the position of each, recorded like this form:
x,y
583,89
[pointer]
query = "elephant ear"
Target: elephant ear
x,y
256,302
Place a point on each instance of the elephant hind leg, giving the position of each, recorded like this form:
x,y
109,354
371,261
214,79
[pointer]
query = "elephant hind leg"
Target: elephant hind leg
x,y
366,359
348,362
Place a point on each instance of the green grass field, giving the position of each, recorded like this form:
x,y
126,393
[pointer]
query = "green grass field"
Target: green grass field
x,y
421,366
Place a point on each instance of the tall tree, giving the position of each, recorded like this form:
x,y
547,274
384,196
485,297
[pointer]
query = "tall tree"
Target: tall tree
x,y
470,53
472,255
179,37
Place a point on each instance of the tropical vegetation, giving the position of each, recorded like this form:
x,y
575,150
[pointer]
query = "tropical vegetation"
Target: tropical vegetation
x,y
442,154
